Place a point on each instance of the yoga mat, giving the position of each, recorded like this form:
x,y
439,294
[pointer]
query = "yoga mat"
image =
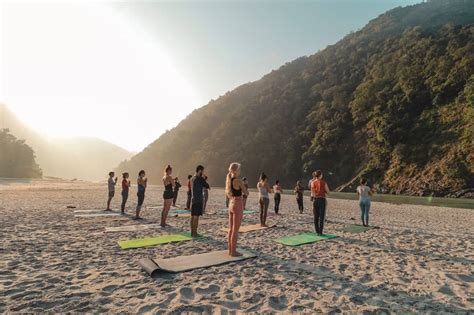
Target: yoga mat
x,y
355,228
179,211
186,263
245,211
249,228
159,207
94,215
211,221
94,211
303,238
131,228
150,241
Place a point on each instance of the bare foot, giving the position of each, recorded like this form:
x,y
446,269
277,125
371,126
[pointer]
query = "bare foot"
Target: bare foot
x,y
236,254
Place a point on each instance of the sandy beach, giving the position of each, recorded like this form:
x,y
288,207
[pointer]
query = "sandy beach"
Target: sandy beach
x,y
420,260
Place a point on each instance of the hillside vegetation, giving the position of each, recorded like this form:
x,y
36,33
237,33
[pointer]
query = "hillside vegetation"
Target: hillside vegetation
x,y
81,158
17,159
393,102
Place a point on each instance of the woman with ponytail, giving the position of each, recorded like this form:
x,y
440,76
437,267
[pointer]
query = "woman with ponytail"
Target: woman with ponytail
x,y
263,198
235,190
168,194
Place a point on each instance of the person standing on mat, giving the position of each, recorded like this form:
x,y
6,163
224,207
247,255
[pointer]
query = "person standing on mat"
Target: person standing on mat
x,y
125,188
141,187
235,190
364,193
197,185
246,184
111,183
205,195
277,196
299,191
168,194
188,201
177,186
320,189
263,198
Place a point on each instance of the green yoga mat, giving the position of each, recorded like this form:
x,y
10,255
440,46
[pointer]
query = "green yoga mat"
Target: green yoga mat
x,y
150,241
303,238
355,228
179,211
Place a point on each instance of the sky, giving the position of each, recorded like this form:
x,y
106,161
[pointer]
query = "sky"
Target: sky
x,y
126,71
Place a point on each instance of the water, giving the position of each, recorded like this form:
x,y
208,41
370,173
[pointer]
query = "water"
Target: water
x,y
412,200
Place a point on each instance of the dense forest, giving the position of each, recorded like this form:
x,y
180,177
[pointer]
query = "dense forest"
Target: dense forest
x,y
17,159
393,102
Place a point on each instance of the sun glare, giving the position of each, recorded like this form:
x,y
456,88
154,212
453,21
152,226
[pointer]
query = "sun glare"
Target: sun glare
x,y
85,70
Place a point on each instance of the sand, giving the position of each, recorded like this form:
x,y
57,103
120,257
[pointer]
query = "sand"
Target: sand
x,y
420,260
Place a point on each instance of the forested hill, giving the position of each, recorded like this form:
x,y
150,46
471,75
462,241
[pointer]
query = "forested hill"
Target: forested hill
x,y
393,102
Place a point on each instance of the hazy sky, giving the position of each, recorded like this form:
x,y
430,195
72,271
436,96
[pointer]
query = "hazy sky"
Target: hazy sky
x,y
127,71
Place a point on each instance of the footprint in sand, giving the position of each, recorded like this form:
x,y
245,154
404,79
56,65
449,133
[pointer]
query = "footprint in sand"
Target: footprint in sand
x,y
278,303
109,289
212,289
186,293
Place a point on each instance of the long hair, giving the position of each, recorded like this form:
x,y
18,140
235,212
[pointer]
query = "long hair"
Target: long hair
x,y
233,168
168,168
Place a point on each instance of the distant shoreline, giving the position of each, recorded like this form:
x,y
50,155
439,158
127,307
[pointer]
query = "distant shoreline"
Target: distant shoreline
x,y
463,203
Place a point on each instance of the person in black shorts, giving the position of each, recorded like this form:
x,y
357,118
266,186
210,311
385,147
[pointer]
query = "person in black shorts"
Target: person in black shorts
x,y
197,185
168,194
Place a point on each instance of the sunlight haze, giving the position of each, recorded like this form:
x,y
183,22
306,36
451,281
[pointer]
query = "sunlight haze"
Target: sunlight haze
x,y
127,71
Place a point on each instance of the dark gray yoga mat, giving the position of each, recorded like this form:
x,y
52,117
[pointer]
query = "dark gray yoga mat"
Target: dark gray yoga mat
x,y
186,263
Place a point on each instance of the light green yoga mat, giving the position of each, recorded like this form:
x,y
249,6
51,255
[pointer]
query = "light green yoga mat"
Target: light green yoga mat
x,y
303,238
150,241
355,228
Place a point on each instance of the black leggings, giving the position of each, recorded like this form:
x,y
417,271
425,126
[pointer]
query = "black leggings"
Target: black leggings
x,y
188,202
141,198
277,198
264,202
300,204
319,208
175,197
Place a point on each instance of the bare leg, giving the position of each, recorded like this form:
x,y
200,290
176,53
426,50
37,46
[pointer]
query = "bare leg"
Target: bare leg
x,y
237,220
166,209
194,223
231,229
108,203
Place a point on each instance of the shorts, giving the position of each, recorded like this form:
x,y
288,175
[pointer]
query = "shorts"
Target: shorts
x,y
168,194
111,193
196,209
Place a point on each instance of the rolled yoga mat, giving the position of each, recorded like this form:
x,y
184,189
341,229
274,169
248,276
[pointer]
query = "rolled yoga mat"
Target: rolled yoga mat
x,y
303,238
250,228
355,228
151,241
186,263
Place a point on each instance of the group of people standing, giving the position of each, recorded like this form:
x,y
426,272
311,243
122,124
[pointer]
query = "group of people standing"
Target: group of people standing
x,y
236,191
